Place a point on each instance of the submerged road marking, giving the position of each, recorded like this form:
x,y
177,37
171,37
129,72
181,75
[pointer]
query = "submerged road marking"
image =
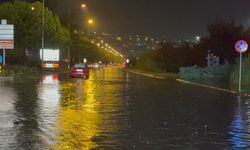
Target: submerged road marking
x,y
148,75
211,87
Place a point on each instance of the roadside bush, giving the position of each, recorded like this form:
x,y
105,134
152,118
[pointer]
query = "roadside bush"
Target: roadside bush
x,y
16,70
220,72
245,72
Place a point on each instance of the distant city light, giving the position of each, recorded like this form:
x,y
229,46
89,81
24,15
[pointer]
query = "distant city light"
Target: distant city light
x,y
197,38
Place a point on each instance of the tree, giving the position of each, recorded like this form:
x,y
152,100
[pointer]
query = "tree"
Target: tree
x,y
28,29
221,39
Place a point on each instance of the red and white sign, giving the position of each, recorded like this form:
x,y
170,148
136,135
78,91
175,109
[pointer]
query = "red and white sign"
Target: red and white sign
x,y
241,46
6,44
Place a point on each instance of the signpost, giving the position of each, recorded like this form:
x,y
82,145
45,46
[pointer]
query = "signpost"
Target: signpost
x,y
241,46
6,38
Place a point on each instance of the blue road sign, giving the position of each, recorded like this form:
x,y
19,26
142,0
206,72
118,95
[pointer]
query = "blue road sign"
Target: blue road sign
x,y
241,46
1,59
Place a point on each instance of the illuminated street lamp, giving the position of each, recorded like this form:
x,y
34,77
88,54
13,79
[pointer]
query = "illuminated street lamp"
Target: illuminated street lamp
x,y
90,21
83,5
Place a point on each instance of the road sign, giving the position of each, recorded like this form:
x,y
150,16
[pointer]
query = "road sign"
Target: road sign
x,y
241,46
1,59
6,36
6,44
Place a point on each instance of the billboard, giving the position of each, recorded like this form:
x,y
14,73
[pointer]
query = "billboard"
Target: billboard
x,y
50,54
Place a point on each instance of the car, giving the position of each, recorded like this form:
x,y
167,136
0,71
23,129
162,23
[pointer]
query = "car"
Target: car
x,y
96,66
80,70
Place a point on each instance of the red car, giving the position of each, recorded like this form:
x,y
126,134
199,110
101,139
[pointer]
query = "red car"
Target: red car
x,y
79,70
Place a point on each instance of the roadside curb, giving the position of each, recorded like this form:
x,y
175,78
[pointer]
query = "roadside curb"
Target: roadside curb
x,y
189,82
147,74
212,87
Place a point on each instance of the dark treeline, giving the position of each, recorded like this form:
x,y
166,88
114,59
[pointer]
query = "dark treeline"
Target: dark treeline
x,y
221,39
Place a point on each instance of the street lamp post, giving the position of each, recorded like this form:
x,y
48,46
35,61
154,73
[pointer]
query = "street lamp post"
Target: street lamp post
x,y
43,33
83,6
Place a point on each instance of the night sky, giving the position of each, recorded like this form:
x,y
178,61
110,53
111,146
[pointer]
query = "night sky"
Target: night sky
x,y
175,19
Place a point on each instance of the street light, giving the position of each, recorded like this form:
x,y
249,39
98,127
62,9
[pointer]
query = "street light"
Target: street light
x,y
90,21
89,24
43,32
83,5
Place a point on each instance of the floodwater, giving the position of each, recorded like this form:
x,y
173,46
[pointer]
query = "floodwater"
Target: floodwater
x,y
115,109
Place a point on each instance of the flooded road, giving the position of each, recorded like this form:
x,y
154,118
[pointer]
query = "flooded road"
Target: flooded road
x,y
115,109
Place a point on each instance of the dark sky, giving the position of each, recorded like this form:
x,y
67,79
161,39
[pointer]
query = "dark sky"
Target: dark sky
x,y
176,19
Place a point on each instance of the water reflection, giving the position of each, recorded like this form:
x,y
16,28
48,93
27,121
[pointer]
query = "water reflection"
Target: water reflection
x,y
6,116
27,110
50,79
90,112
239,137
48,96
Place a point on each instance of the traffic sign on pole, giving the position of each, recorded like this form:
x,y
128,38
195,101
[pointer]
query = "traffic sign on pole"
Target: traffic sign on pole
x,y
241,46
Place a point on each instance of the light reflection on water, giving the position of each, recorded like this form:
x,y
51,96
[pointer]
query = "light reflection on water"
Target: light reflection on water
x,y
239,128
49,96
27,112
89,111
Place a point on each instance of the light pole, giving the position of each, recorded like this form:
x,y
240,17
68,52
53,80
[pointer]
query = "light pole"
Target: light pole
x,y
43,33
84,7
